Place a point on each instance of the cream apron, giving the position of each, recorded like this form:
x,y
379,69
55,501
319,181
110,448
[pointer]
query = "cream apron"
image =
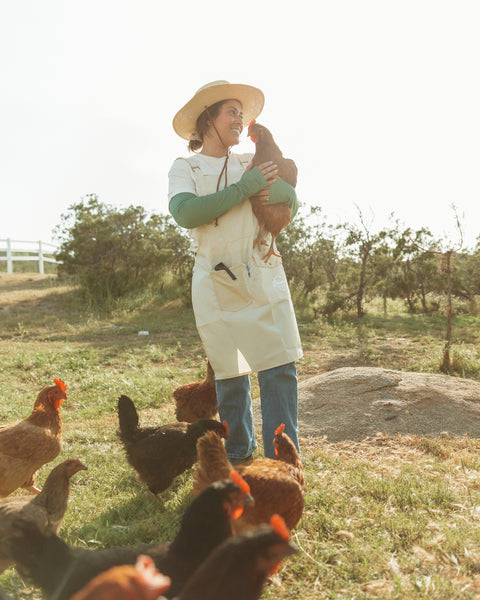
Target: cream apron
x,y
244,315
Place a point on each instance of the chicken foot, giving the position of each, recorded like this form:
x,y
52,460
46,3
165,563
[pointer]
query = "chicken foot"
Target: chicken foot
x,y
30,486
32,489
271,252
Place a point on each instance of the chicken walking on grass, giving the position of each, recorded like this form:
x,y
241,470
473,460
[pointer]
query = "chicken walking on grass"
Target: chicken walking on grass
x,y
277,486
45,509
238,568
272,218
141,581
27,445
195,401
159,454
61,570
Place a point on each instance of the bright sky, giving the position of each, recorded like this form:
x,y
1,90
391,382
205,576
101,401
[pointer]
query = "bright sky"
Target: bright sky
x,y
377,101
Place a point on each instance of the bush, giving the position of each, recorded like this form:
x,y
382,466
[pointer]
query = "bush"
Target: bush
x,y
114,252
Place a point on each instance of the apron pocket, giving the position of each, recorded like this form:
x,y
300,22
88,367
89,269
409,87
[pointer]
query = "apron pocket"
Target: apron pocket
x,y
232,294
272,278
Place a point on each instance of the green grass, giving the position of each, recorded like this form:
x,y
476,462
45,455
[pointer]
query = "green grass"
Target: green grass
x,y
388,517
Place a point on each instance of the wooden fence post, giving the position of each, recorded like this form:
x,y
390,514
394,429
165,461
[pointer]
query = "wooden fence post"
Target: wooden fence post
x,y
40,258
9,256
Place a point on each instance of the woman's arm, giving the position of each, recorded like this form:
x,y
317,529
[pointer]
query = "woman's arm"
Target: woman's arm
x,y
191,211
281,191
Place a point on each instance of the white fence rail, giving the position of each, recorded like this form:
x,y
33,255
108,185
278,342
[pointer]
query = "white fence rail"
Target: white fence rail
x,y
17,250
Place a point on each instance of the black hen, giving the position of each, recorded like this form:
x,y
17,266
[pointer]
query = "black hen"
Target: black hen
x,y
159,454
238,568
61,570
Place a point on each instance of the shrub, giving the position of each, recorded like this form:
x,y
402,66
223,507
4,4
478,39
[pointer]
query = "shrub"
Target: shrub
x,y
112,252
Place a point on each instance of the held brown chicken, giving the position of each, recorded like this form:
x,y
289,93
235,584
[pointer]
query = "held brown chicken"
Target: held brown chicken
x,y
272,218
239,567
45,509
277,486
61,570
27,445
195,401
159,454
141,581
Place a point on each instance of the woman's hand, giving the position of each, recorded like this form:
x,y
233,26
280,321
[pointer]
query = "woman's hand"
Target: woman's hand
x,y
262,197
268,169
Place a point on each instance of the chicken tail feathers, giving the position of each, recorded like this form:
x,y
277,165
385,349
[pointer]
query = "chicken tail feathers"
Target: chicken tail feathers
x,y
128,418
45,558
213,463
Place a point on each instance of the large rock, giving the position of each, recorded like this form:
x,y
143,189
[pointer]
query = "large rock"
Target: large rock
x,y
355,402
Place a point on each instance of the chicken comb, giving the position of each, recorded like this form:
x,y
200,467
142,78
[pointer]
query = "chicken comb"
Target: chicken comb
x,y
252,122
61,384
279,527
280,429
144,562
150,576
240,481
225,426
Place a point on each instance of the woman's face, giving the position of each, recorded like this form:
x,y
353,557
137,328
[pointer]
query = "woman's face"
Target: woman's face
x,y
229,122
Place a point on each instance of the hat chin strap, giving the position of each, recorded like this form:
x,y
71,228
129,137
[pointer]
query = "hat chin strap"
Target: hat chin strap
x,y
227,148
225,164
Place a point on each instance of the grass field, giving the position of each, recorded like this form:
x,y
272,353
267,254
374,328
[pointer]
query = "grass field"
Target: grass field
x,y
384,518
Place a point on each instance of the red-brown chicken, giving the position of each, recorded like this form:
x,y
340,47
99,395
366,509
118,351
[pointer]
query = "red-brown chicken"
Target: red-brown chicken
x,y
195,401
45,509
272,218
27,445
277,486
239,567
141,581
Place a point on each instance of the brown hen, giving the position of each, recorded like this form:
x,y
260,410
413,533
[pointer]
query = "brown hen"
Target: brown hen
x,y
45,509
27,445
272,218
277,486
141,581
195,401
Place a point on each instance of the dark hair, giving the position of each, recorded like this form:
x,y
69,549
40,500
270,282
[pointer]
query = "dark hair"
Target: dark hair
x,y
202,125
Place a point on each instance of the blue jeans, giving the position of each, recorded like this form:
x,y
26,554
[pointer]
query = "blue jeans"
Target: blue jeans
x,y
278,396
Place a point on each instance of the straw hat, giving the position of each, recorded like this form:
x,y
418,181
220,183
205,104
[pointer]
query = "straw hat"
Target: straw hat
x,y
252,99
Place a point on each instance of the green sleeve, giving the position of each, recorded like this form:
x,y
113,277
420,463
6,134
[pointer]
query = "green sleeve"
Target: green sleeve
x,y
281,191
191,211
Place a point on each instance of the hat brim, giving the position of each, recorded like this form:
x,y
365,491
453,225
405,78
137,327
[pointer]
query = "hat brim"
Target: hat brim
x,y
251,98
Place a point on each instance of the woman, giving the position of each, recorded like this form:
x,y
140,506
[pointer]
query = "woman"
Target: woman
x,y
242,305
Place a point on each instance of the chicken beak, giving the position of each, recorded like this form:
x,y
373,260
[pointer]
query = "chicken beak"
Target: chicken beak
x,y
291,549
249,500
58,402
